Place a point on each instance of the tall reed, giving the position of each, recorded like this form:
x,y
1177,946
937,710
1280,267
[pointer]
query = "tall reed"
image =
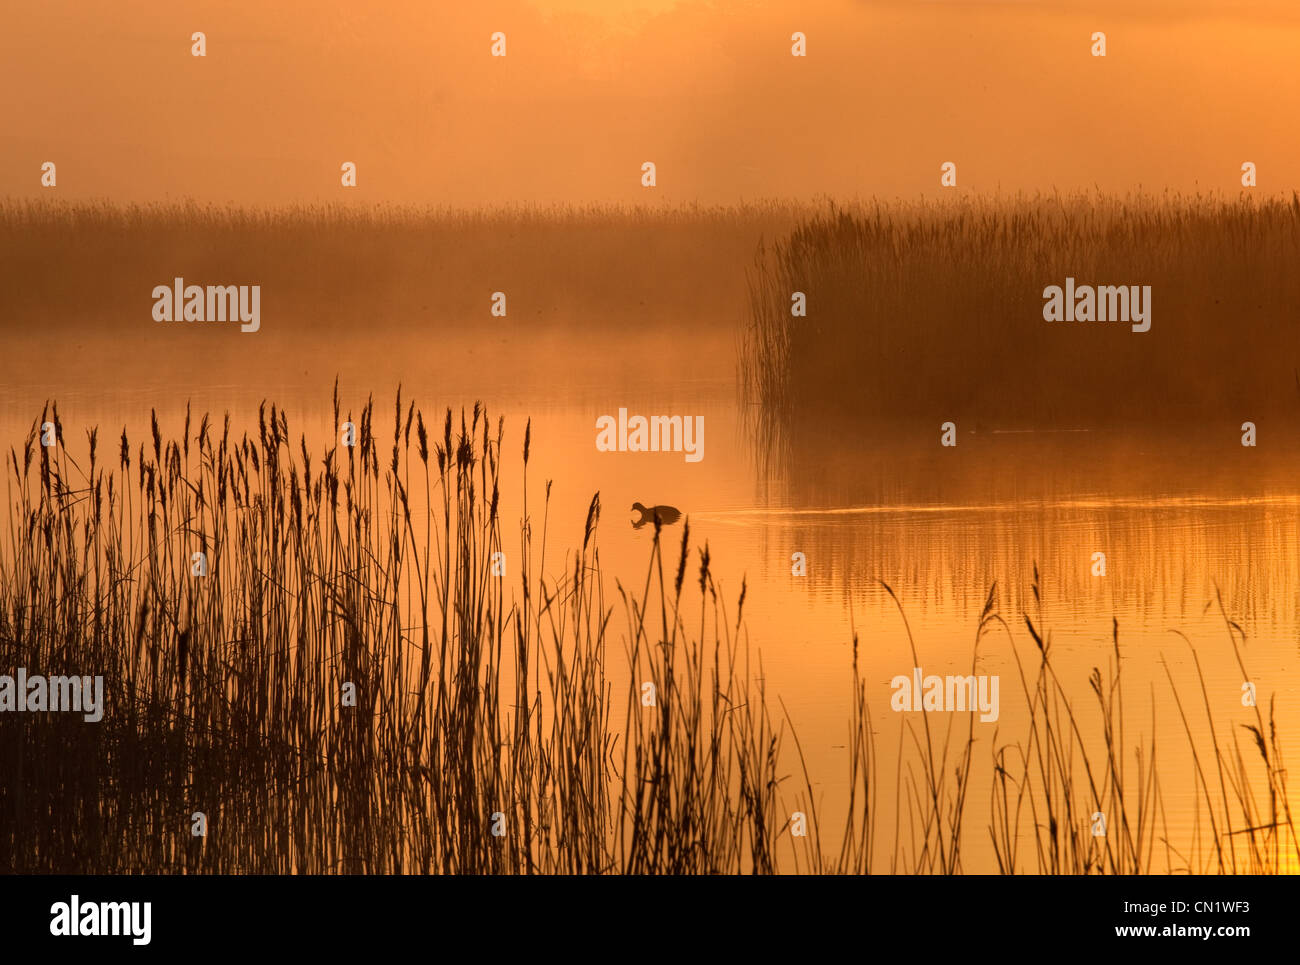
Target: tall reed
x,y
328,656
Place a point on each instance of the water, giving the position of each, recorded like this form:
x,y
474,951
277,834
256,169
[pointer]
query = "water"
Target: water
x,y
1185,520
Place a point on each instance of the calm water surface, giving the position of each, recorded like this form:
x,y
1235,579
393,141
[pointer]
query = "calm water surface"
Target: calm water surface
x,y
1184,520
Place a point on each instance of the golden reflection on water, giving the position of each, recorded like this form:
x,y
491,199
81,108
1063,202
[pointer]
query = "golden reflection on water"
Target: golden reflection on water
x,y
1182,529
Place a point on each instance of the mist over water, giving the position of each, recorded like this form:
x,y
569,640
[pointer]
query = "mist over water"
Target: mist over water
x,y
1183,523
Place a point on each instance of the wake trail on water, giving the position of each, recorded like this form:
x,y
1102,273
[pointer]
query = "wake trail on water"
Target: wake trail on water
x,y
737,516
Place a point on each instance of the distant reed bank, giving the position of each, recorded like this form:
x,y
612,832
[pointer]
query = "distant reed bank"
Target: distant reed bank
x,y
1030,313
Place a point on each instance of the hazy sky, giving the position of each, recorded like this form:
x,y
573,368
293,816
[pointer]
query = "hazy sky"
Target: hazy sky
x,y
590,89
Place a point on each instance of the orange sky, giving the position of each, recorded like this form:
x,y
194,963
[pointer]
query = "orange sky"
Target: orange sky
x,y
592,88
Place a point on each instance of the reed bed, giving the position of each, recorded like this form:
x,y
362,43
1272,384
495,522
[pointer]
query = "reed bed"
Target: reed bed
x,y
1070,772
482,738
918,314
531,720
321,267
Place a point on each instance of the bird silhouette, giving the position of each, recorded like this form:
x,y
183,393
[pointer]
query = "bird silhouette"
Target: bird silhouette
x,y
667,515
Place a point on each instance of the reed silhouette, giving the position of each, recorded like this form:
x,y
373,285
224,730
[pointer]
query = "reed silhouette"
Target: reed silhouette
x,y
493,730
918,314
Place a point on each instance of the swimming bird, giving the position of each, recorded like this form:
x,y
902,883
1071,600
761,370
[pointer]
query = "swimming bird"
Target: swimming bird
x,y
667,515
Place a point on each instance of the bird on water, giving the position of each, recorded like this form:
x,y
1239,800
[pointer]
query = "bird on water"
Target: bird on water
x,y
667,515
